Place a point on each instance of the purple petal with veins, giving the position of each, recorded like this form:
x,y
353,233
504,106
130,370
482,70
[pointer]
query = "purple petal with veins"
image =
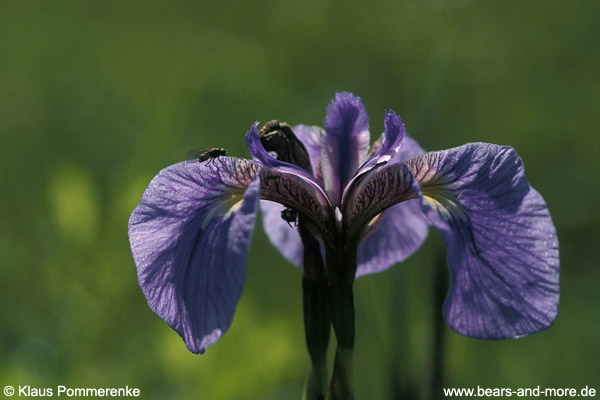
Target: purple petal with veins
x,y
189,238
260,155
310,136
283,236
388,145
501,242
345,144
403,227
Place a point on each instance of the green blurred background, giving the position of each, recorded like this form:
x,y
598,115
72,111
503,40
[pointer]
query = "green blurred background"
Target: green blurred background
x,y
97,97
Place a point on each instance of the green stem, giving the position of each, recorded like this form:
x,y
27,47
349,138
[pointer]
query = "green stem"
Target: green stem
x,y
341,381
279,137
440,288
317,319
342,313
315,386
341,267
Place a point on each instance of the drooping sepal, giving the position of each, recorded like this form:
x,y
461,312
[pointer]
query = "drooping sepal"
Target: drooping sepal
x,y
501,242
189,237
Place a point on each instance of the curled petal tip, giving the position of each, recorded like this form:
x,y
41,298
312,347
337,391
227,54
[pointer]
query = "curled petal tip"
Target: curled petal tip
x,y
253,133
394,128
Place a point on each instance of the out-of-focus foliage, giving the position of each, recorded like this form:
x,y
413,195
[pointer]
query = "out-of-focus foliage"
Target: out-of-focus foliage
x,y
97,97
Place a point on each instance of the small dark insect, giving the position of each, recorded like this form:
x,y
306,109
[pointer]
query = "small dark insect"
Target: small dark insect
x,y
290,215
205,153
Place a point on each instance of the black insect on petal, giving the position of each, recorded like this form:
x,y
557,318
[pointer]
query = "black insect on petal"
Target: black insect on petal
x,y
205,153
290,215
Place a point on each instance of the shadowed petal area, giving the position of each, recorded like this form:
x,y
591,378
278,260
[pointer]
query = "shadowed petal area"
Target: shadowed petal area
x,y
403,227
290,185
378,191
345,144
282,168
189,238
261,156
302,196
501,242
283,236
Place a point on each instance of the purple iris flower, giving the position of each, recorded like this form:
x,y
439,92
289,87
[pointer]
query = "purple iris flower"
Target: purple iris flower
x,y
369,207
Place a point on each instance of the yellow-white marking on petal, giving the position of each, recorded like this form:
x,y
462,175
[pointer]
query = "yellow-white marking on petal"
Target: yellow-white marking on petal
x,y
446,203
232,209
225,208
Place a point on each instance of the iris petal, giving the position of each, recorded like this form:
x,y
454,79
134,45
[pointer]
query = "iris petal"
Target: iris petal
x,y
310,136
189,237
389,143
403,227
402,231
294,192
501,242
290,185
345,144
284,236
281,168
378,191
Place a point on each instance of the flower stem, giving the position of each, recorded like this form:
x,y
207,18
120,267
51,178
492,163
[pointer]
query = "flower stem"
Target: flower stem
x,y
315,386
342,313
440,288
317,319
278,137
341,267
341,381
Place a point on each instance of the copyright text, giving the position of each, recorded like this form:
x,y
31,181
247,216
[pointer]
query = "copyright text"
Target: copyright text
x,y
65,391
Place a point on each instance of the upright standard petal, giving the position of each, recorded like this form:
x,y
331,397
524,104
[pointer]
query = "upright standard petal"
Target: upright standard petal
x,y
189,237
403,227
502,244
345,144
